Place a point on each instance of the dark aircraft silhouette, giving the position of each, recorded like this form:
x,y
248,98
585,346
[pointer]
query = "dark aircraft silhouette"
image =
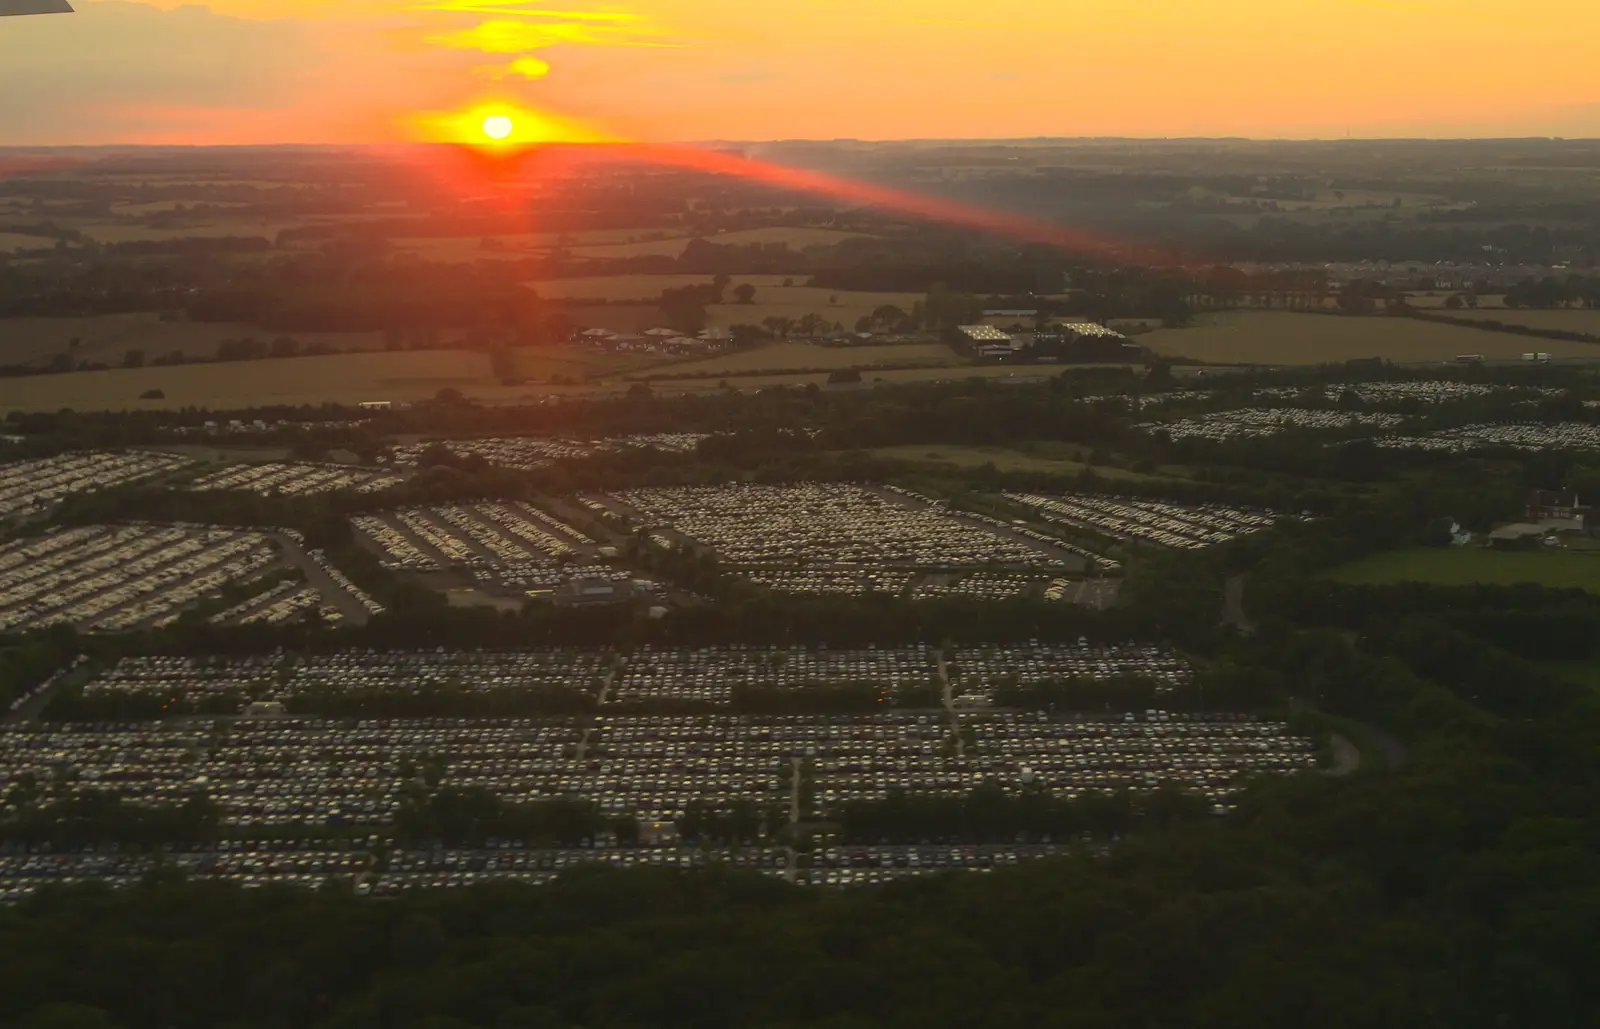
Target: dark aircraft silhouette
x,y
9,8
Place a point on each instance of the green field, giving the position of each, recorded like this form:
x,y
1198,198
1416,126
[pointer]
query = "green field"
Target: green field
x,y
840,307
868,376
772,300
345,378
1461,566
1584,673
1276,337
778,357
14,242
1568,320
794,238
635,287
1045,457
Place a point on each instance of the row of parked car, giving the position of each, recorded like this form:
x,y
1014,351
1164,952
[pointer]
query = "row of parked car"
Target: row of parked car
x,y
702,674
275,772
1180,526
1535,436
528,453
296,479
712,673
374,867
1268,421
280,677
977,671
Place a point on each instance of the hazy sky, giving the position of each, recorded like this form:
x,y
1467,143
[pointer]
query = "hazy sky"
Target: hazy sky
x,y
239,71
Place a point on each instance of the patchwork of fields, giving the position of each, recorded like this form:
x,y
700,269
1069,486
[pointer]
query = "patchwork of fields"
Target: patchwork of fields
x,y
108,338
793,238
779,357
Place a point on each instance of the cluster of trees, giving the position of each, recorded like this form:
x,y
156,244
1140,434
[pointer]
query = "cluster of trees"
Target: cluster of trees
x,y
39,813
1573,291
457,817
28,662
988,814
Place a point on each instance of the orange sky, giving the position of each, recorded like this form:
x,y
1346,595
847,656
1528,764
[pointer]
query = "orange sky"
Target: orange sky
x,y
238,71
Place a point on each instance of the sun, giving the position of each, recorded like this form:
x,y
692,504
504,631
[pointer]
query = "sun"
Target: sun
x,y
498,126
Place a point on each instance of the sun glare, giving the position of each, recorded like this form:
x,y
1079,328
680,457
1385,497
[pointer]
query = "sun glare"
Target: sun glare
x,y
501,127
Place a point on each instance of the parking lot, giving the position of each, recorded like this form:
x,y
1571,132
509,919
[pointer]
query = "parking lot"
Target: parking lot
x,y
1432,391
1180,526
295,479
283,679
105,578
829,525
712,673
1268,421
285,771
1534,436
511,544
30,488
708,675
110,578
989,586
976,671
375,867
529,453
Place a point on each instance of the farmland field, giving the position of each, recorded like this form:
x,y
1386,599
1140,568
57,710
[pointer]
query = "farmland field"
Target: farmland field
x,y
636,287
794,238
108,338
869,376
1268,337
13,242
1584,673
134,232
1573,320
779,357
772,298
1436,300
343,378
1459,566
841,307
1049,458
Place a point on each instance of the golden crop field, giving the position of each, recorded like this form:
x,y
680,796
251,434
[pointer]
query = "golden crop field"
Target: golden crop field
x,y
795,238
1275,337
791,356
108,338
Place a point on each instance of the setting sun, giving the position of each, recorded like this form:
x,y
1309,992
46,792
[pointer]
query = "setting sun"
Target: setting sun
x,y
500,126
